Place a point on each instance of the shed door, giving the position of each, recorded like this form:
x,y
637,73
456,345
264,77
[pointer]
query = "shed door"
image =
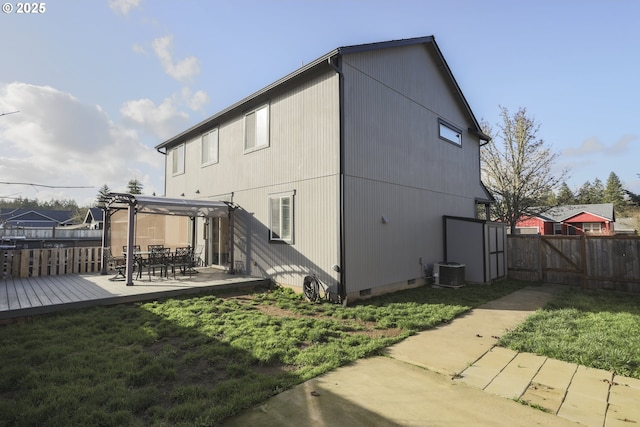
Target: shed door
x,y
497,246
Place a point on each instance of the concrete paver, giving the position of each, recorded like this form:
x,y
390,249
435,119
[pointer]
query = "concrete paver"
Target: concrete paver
x,y
482,372
515,378
549,386
624,402
586,399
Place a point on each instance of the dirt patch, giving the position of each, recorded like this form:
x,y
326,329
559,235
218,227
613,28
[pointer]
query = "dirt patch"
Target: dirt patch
x,y
365,328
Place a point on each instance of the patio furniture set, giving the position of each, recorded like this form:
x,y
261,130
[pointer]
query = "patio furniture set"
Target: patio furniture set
x,y
156,257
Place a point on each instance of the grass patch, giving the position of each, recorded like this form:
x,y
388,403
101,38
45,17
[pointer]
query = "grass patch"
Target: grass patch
x,y
531,405
595,329
197,360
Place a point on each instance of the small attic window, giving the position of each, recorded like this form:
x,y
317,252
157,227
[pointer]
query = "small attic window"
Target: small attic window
x,y
450,133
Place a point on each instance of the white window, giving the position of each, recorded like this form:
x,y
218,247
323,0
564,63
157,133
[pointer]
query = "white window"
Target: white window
x,y
592,227
210,147
450,133
557,228
177,155
281,217
256,129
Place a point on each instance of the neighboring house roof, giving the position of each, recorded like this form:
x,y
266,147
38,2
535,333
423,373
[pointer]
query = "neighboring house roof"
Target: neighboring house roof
x,y
94,215
627,225
566,212
35,217
326,63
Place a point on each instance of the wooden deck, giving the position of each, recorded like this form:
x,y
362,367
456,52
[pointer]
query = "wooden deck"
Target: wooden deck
x,y
46,294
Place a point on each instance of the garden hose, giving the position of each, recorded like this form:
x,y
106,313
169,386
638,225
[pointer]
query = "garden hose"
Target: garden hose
x,y
311,288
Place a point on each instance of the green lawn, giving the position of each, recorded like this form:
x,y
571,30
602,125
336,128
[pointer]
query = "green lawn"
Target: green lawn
x,y
197,360
595,329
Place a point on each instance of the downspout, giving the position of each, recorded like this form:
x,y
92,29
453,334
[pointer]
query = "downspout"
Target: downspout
x,y
164,153
341,269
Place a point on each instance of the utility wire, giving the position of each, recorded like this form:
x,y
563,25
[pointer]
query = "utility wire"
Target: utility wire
x,y
43,185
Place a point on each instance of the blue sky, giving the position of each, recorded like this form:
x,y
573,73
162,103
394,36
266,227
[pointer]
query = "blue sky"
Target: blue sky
x,y
99,83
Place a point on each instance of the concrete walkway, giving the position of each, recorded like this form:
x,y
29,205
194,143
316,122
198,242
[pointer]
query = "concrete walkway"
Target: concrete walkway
x,y
454,375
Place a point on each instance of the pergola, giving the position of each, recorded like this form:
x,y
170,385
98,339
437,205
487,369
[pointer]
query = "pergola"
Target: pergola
x,y
137,203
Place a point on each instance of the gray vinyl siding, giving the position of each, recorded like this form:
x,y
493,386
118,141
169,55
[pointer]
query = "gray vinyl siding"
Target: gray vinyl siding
x,y
303,155
315,248
396,165
303,144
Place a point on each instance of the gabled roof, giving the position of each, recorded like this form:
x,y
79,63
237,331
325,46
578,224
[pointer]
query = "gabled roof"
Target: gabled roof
x,y
325,63
94,215
36,217
565,212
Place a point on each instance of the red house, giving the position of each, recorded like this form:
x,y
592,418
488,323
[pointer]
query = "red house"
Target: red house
x,y
570,220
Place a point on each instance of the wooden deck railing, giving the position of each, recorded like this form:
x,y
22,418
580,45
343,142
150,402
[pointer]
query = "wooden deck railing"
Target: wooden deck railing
x,y
49,262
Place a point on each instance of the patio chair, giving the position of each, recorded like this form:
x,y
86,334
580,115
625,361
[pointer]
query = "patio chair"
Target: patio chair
x,y
136,248
158,259
183,259
138,259
117,263
197,253
152,248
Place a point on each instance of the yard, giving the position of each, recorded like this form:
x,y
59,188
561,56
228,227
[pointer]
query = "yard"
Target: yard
x,y
600,329
197,360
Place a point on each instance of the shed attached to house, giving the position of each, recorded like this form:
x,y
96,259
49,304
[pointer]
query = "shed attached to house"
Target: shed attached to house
x,y
342,169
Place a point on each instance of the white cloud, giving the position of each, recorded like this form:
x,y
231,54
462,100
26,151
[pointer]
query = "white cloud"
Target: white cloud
x,y
593,146
138,48
183,70
162,120
123,6
195,101
58,140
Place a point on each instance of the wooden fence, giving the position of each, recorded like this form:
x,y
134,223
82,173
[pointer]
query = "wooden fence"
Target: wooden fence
x,y
50,262
592,262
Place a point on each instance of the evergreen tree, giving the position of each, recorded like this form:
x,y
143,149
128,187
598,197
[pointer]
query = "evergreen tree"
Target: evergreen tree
x,y
134,186
614,193
102,194
584,194
565,195
597,191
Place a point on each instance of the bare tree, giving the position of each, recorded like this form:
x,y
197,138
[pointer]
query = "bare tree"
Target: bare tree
x,y
516,168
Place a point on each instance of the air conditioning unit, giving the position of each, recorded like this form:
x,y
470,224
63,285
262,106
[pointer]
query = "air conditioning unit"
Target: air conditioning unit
x,y
448,274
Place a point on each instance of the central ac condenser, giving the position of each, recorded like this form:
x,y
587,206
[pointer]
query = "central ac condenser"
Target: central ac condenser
x,y
449,274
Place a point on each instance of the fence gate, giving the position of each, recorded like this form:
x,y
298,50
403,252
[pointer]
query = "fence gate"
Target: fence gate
x,y
594,262
563,260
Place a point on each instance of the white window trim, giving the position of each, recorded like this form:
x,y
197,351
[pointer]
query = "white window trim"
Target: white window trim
x,y
557,228
449,131
589,228
268,129
279,197
217,150
179,170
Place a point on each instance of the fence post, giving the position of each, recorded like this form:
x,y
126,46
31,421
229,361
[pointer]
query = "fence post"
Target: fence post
x,y
540,256
583,255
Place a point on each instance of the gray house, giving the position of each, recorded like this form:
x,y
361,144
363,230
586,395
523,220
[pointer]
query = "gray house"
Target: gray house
x,y
343,169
